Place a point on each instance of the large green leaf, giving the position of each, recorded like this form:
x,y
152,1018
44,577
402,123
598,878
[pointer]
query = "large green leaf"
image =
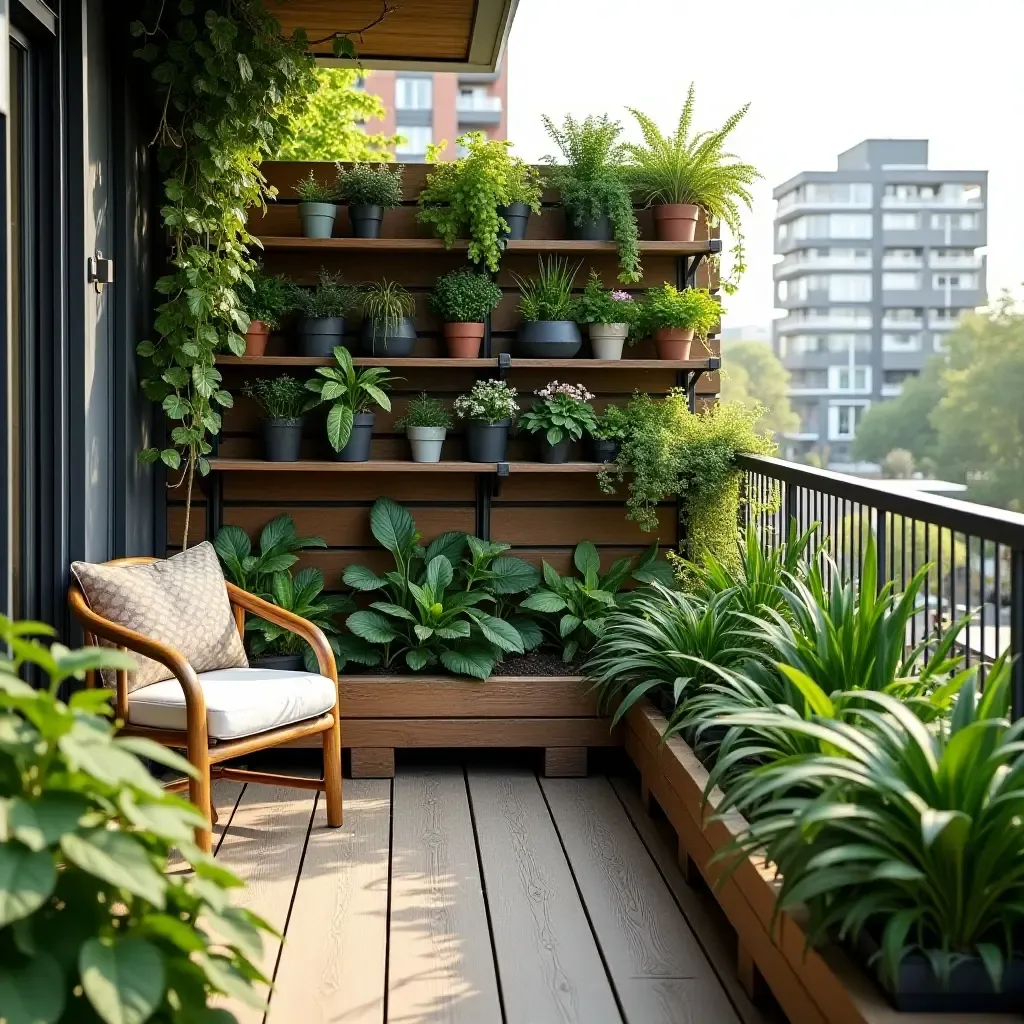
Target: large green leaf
x,y
586,559
233,547
356,649
528,629
469,661
339,426
41,822
451,545
371,626
278,535
500,633
27,878
123,980
119,860
32,993
544,601
513,576
392,526
416,658
439,575
358,577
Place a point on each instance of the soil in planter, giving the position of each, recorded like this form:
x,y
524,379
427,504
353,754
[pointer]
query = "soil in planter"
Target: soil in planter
x,y
536,663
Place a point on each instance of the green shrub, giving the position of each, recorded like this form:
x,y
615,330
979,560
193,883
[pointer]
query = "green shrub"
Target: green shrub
x,y
564,410
280,398
693,309
277,547
329,298
385,304
369,185
425,411
464,297
270,300
548,296
612,425
309,190
600,305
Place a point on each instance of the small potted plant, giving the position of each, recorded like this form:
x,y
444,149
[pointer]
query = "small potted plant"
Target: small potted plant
x,y
322,310
352,394
523,184
609,433
425,423
548,309
561,416
609,316
462,300
488,412
677,317
269,300
388,327
369,190
318,208
284,402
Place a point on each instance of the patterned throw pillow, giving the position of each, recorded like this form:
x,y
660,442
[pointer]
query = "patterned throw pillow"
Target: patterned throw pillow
x,y
181,601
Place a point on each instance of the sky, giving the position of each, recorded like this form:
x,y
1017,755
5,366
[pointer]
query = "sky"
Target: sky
x,y
821,75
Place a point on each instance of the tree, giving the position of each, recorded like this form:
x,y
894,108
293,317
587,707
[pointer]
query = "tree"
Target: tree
x,y
752,375
331,128
899,464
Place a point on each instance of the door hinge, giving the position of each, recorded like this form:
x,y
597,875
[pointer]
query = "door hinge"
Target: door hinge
x,y
101,271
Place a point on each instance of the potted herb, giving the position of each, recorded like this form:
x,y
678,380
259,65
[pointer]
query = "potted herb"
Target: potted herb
x,y
467,196
596,196
369,190
318,207
463,300
426,423
284,401
680,174
388,327
608,434
677,317
548,309
562,415
352,394
488,412
270,299
609,315
322,310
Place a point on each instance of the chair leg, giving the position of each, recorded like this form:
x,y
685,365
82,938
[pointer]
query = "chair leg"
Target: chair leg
x,y
199,792
332,772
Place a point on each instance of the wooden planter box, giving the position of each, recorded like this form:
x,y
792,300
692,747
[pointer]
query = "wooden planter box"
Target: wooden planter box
x,y
813,986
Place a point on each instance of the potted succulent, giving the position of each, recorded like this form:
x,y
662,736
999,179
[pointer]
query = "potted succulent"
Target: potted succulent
x,y
462,300
680,174
607,435
318,206
270,300
488,412
467,196
425,423
548,309
561,416
352,394
677,317
322,310
284,402
609,316
597,199
388,327
369,190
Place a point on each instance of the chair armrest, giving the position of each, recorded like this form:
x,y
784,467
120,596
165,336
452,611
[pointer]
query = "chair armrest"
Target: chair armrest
x,y
312,634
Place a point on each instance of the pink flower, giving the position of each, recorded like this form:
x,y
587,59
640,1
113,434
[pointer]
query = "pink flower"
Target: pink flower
x,y
620,296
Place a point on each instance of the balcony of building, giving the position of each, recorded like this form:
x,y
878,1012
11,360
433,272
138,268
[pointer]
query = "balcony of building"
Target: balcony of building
x,y
476,107
804,261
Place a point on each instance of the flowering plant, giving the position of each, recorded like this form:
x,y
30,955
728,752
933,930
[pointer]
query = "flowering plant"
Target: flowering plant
x,y
598,305
563,409
489,400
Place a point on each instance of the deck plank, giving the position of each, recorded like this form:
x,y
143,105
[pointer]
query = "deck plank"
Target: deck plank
x,y
440,964
656,965
548,961
332,965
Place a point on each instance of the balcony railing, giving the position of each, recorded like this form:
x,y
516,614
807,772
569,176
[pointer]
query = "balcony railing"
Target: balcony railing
x,y
466,104
792,264
922,202
954,262
974,554
889,324
818,323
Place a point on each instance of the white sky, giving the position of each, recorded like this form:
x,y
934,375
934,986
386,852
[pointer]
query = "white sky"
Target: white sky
x,y
821,74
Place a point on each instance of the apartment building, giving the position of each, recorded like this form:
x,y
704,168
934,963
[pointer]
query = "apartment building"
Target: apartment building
x,y
879,259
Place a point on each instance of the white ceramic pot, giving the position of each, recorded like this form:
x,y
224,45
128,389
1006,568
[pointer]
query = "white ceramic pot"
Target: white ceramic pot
x,y
426,443
607,340
317,219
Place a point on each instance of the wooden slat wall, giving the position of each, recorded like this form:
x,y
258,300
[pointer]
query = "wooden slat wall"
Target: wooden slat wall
x,y
542,516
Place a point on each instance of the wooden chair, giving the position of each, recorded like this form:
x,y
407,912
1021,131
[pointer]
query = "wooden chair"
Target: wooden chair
x,y
206,755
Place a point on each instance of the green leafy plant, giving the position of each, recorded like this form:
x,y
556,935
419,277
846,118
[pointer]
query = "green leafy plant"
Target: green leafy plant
x,y
369,185
424,411
92,927
548,296
600,305
693,309
349,392
489,400
694,169
330,297
309,190
464,195
385,304
269,300
564,410
612,425
464,297
592,184
280,398
277,546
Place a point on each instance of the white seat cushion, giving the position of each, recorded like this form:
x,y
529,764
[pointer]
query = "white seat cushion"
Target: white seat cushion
x,y
239,701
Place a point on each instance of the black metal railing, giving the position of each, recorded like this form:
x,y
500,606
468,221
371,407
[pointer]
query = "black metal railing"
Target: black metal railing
x,y
975,553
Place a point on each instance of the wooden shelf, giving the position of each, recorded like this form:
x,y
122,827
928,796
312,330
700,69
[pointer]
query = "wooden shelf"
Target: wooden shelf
x,y
557,467
397,466
294,243
441,363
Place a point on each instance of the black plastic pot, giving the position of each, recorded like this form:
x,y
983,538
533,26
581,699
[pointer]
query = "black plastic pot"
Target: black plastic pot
x,y
604,450
282,440
319,335
517,216
548,339
393,340
554,454
597,230
281,662
486,442
358,447
366,220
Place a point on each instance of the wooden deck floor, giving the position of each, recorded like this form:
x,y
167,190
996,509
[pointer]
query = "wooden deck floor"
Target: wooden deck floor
x,y
474,896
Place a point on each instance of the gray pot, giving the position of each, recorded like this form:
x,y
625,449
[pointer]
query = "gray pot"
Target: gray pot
x,y
554,453
366,220
393,340
358,447
426,443
318,335
607,340
604,450
486,442
282,440
548,339
281,662
597,230
517,216
317,219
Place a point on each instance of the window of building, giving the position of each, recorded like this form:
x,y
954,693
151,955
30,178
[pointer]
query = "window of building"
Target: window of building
x,y
953,254
900,222
955,281
903,314
900,281
845,343
849,287
901,258
897,377
901,342
808,379
849,225
850,314
843,418
954,221
414,139
849,378
801,344
414,93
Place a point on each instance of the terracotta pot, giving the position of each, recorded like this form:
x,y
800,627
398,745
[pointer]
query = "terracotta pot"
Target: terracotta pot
x,y
256,339
673,343
464,340
676,222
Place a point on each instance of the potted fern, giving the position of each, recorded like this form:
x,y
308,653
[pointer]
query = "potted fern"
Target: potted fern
x,y
322,310
388,327
426,424
369,190
284,401
463,300
269,300
549,311
318,207
680,174
677,317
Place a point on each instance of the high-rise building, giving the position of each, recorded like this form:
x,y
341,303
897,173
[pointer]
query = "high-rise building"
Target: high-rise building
x,y
426,107
879,259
